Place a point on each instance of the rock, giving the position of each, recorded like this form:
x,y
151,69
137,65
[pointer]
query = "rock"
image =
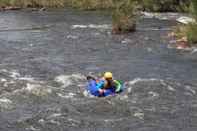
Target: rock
x,y
182,43
171,34
183,39
3,8
148,14
42,9
185,20
12,8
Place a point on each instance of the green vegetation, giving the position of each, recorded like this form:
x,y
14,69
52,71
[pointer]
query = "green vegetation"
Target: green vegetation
x,y
148,5
81,4
192,28
194,8
124,16
90,4
165,5
189,31
33,3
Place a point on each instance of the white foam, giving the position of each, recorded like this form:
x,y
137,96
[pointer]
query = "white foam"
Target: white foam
x,y
93,26
5,104
194,50
41,121
14,74
136,80
124,97
67,80
153,94
168,16
139,115
32,128
69,95
5,100
113,120
64,79
3,80
170,88
73,120
149,49
129,89
88,94
54,115
27,79
126,41
37,89
189,88
148,14
54,122
79,26
72,37
77,76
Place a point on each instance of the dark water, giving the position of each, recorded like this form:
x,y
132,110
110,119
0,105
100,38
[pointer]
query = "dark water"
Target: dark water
x,y
44,57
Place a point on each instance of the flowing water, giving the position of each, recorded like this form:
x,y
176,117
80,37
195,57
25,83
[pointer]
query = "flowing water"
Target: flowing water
x,y
45,56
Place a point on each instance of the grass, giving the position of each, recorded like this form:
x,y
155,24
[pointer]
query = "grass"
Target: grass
x,y
33,3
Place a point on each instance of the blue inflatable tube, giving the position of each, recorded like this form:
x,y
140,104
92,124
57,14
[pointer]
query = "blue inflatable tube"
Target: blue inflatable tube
x,y
92,89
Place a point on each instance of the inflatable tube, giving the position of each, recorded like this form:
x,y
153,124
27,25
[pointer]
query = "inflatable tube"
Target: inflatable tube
x,y
93,90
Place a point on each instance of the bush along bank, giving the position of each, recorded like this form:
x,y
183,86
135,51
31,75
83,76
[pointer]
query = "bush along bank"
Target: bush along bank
x,y
185,34
146,5
124,16
32,3
164,5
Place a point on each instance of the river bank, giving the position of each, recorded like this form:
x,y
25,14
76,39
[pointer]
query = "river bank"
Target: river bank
x,y
146,5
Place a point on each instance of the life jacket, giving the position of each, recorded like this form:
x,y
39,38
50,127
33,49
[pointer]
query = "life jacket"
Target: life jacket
x,y
114,85
109,84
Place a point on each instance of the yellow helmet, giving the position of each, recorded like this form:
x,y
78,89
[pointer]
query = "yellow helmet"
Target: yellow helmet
x,y
108,75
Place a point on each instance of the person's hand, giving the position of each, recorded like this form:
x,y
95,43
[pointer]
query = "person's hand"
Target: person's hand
x,y
101,91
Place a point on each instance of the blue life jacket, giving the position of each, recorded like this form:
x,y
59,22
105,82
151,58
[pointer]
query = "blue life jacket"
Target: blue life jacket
x,y
93,87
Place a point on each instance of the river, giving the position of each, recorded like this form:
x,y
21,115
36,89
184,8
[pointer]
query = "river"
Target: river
x,y
45,56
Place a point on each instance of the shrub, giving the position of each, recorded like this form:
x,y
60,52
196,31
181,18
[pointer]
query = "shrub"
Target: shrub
x,y
191,33
124,16
165,5
188,31
193,8
90,4
33,3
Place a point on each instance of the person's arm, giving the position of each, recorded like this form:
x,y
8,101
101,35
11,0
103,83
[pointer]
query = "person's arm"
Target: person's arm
x,y
99,86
